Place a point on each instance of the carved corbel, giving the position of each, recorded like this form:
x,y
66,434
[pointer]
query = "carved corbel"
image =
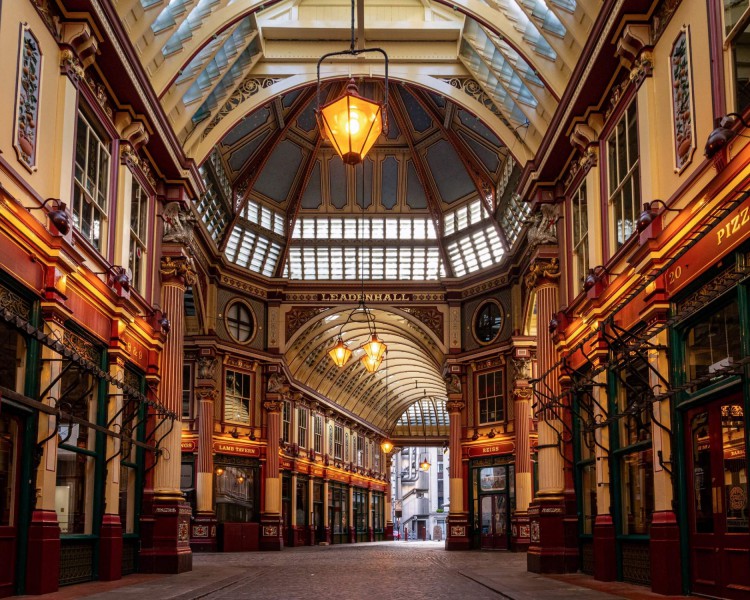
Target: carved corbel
x,y
78,36
635,38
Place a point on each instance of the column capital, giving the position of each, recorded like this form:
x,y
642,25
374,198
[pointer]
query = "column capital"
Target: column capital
x,y
543,272
272,405
523,394
455,405
178,269
205,393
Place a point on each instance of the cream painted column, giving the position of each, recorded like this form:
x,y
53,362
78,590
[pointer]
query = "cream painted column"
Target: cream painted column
x,y
455,406
370,529
204,488
352,533
177,272
389,498
273,481
293,492
551,463
326,522
658,361
522,423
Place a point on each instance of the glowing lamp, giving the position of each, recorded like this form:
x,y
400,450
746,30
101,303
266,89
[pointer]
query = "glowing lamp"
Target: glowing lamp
x,y
371,364
374,349
386,445
424,465
352,123
340,353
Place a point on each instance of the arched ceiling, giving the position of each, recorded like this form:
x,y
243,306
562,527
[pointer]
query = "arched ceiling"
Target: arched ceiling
x,y
411,371
474,86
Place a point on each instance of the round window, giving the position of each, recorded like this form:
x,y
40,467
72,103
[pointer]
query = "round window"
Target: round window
x,y
488,321
240,322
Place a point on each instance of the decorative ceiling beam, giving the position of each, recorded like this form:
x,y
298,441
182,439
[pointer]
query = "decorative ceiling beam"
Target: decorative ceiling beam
x,y
296,201
432,204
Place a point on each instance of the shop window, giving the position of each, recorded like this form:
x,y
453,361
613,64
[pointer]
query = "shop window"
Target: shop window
x,y
13,348
302,427
737,32
240,322
634,403
490,396
588,498
488,321
236,489
586,460
139,202
91,189
735,467
338,441
8,469
360,451
237,397
376,459
74,492
187,390
637,489
286,421
346,446
713,345
377,513
302,496
579,210
624,179
318,434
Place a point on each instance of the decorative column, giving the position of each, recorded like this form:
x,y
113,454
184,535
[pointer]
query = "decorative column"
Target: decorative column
x,y
370,529
457,537
167,547
295,533
326,522
270,521
520,532
110,534
388,533
203,534
43,555
548,547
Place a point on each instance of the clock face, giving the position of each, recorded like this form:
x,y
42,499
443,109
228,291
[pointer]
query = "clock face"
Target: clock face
x,y
488,322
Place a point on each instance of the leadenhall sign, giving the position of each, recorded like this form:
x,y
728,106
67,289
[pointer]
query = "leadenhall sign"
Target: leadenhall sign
x,y
369,297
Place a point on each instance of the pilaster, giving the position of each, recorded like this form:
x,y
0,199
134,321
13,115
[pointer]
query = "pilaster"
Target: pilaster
x,y
457,537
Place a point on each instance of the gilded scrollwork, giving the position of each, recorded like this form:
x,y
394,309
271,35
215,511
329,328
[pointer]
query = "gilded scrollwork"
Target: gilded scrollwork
x,y
543,270
179,267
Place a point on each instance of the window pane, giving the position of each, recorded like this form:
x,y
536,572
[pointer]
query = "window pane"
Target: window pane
x,y
637,492
713,344
702,481
735,467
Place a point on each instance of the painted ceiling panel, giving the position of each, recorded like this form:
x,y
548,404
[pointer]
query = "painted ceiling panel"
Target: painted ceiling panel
x,y
389,182
415,194
448,173
239,157
312,197
275,181
337,183
490,159
247,126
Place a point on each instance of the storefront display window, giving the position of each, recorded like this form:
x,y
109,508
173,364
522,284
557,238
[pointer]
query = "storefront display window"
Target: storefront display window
x,y
735,467
236,489
8,466
637,473
713,345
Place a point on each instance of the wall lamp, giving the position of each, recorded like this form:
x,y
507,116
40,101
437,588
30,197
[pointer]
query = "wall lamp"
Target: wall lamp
x,y
118,277
594,276
723,133
58,215
159,320
491,434
650,213
251,435
234,433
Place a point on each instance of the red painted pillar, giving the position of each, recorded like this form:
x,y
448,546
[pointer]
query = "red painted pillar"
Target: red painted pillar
x,y
271,537
203,533
457,537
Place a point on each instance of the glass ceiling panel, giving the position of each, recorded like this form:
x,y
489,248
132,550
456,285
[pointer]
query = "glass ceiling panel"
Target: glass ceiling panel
x,y
475,250
427,411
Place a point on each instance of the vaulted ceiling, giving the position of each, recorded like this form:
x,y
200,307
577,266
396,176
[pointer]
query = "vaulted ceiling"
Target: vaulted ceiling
x,y
473,87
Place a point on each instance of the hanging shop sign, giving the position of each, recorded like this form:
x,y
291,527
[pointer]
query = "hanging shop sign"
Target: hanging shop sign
x,y
503,447
720,241
189,445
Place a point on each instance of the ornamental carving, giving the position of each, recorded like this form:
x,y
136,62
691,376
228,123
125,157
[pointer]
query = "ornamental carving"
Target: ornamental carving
x,y
454,406
662,16
585,162
643,67
276,383
248,88
14,304
27,100
543,229
206,367
178,267
299,316
521,368
83,347
178,224
523,393
71,66
272,405
543,270
472,88
453,383
431,317
682,100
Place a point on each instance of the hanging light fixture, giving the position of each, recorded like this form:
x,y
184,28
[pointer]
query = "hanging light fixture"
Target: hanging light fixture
x,y
386,445
425,464
351,122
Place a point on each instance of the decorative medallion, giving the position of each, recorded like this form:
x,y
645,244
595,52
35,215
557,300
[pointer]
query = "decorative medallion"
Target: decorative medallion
x,y
431,317
682,100
27,99
298,316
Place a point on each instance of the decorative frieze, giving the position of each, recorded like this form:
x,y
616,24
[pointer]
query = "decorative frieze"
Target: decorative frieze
x,y
480,288
541,271
298,316
429,316
248,88
241,284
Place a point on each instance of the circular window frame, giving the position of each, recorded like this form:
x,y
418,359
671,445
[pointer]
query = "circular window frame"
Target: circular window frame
x,y
229,305
474,317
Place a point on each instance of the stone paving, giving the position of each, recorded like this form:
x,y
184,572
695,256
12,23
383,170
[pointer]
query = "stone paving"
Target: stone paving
x,y
376,571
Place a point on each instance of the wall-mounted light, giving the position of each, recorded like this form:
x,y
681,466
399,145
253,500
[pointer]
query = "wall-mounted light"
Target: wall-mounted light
x,y
650,213
594,276
117,277
219,471
723,133
58,216
251,436
234,433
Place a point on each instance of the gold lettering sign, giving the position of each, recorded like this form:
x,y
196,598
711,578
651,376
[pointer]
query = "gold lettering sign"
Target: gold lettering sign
x,y
371,297
226,448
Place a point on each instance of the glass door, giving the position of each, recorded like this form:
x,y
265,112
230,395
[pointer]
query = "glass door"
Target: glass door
x,y
10,466
494,511
717,490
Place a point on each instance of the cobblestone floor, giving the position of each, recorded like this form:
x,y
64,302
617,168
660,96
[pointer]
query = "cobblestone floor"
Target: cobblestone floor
x,y
378,571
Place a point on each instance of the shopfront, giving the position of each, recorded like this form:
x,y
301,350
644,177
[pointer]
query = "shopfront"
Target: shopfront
x,y
712,343
338,512
492,489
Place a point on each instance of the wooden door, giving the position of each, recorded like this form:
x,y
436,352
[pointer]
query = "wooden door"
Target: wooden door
x,y
10,467
717,500
494,520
